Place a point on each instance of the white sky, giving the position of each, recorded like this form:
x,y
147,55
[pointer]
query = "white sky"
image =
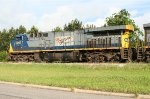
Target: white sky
x,y
47,14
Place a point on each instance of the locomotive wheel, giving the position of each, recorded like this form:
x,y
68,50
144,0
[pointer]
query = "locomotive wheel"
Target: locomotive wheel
x,y
147,58
102,58
31,58
21,59
90,57
25,58
97,59
10,57
45,57
115,58
16,58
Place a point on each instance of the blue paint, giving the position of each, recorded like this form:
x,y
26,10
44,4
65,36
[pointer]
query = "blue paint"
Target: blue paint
x,y
19,44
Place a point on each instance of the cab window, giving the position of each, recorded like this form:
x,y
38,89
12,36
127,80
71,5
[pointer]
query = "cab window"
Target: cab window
x,y
31,35
19,38
45,35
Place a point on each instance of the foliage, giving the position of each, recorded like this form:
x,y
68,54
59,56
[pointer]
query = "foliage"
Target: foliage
x,y
123,18
21,30
57,29
4,40
33,30
130,78
73,25
12,32
3,56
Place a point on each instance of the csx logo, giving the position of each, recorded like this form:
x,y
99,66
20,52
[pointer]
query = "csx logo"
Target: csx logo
x,y
126,39
18,42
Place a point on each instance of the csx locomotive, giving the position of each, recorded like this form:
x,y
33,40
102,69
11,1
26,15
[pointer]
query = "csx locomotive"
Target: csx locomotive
x,y
102,44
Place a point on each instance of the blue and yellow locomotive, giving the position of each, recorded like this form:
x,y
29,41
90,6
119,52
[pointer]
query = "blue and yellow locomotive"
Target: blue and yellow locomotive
x,y
102,44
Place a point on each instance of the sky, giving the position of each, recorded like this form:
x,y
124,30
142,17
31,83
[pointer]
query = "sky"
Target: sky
x,y
47,14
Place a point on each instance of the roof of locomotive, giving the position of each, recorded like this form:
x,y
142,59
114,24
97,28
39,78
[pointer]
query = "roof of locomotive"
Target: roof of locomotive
x,y
147,25
111,28
98,29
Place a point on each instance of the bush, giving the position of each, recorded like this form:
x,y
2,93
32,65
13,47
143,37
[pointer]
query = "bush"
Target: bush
x,y
3,56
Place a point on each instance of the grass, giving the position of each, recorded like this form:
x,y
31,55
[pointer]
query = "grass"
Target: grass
x,y
131,78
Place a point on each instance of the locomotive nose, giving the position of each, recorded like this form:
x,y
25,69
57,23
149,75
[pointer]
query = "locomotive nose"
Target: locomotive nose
x,y
10,48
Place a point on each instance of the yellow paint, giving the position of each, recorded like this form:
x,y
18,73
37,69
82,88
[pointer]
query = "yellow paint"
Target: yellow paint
x,y
125,36
30,51
33,51
147,47
125,39
19,42
10,49
130,27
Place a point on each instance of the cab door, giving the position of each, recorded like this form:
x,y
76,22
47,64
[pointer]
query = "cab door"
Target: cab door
x,y
18,43
125,39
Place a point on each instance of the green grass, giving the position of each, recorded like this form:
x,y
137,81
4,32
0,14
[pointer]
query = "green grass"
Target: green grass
x,y
132,78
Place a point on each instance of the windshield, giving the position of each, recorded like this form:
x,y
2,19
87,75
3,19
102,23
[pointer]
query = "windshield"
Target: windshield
x,y
18,38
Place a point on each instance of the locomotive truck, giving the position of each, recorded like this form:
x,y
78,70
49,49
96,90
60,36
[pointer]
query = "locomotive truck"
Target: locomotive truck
x,y
102,44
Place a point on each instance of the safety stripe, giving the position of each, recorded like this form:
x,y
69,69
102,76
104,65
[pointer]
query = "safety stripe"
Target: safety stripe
x,y
10,48
81,49
146,46
130,27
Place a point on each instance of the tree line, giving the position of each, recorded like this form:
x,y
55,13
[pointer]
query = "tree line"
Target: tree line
x,y
6,35
73,25
120,18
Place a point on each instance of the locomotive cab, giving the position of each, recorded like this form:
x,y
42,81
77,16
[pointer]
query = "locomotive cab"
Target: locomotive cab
x,y
112,39
18,43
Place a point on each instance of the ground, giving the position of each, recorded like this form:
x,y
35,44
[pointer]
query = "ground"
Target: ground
x,y
126,78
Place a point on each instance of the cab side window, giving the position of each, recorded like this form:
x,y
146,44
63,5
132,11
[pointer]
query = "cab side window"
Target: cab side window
x,y
19,38
45,35
31,35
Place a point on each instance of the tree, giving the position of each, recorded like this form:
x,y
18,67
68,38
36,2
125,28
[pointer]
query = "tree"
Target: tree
x,y
4,40
73,25
57,29
21,29
123,18
12,32
33,30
